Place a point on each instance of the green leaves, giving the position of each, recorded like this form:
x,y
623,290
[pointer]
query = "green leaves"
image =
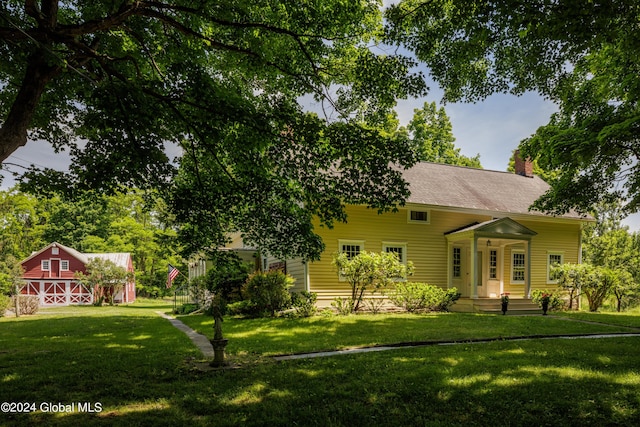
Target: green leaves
x,y
369,272
581,55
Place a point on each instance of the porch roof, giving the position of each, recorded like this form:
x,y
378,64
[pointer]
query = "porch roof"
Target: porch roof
x,y
496,228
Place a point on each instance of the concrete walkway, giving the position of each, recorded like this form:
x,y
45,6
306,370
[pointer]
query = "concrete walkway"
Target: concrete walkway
x,y
433,343
206,348
199,340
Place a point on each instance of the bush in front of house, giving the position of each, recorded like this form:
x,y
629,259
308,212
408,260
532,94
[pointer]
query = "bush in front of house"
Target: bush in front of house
x,y
4,303
304,303
553,298
269,291
417,297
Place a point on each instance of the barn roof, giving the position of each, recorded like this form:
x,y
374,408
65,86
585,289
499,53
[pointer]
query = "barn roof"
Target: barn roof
x,y
479,189
78,255
121,259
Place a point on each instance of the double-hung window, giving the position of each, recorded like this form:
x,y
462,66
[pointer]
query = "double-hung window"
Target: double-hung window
x,y
553,259
517,266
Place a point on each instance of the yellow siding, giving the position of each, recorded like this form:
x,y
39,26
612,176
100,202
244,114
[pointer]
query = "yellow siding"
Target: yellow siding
x,y
552,237
426,244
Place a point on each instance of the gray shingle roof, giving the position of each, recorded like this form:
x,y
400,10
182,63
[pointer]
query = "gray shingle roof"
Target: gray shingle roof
x,y
479,189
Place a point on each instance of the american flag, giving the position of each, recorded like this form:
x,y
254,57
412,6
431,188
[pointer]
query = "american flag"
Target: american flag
x,y
171,275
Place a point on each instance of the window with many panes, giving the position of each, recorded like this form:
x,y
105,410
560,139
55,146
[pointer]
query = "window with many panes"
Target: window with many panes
x,y
400,249
352,250
517,266
493,264
457,262
351,247
553,260
44,265
64,265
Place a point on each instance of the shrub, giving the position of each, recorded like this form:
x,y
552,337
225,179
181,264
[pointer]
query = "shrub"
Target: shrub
x,y
369,272
244,307
305,303
5,301
269,291
555,301
344,306
187,308
28,304
419,297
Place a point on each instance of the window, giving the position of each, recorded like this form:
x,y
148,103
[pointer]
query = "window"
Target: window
x,y
457,263
419,216
517,266
64,265
351,247
493,264
400,249
553,259
44,265
55,250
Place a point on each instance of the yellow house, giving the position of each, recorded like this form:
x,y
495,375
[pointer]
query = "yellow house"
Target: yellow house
x,y
461,227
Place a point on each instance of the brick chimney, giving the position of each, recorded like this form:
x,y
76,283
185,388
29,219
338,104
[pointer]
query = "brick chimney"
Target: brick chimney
x,y
523,167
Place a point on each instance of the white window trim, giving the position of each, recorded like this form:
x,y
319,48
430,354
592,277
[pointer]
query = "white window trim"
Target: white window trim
x,y
45,265
513,252
549,253
64,265
343,242
55,250
413,221
402,245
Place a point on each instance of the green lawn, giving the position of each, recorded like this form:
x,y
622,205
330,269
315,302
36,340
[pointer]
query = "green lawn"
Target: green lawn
x,y
284,336
141,371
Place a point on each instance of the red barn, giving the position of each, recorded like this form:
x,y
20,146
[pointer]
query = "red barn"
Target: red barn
x,y
49,273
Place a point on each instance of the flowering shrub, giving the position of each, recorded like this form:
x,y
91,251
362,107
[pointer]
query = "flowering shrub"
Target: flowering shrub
x,y
553,300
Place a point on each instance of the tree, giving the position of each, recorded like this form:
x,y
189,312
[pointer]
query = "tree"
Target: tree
x,y
369,272
625,289
581,55
22,220
222,80
104,278
599,285
571,278
432,132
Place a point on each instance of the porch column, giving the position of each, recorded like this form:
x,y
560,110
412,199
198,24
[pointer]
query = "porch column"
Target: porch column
x,y
474,267
501,255
527,283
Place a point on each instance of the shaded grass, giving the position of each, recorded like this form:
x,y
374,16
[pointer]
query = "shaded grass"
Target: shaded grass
x,y
137,366
285,336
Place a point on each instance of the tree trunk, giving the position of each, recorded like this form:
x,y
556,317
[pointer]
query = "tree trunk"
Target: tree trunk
x,y
13,133
16,300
